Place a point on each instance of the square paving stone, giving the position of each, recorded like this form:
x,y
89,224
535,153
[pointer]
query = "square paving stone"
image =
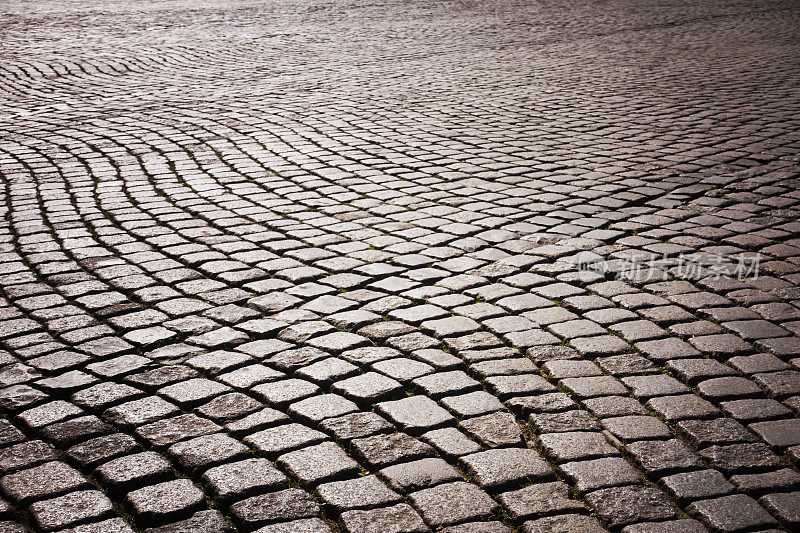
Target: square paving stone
x,y
625,364
452,503
478,527
503,367
134,471
755,410
450,442
355,425
446,383
218,361
49,413
540,499
64,434
19,397
785,506
506,468
732,513
415,414
574,420
264,418
25,454
636,427
380,451
369,388
206,521
338,342
610,406
102,449
758,484
327,371
361,493
164,375
701,433
693,371
319,464
164,433
318,408
563,447
246,377
699,485
494,430
193,392
140,412
722,346
281,506
779,433
418,475
284,392
402,369
553,402
284,438
104,395
729,388
238,480
620,506
13,527
567,522
658,458
43,481
655,385
673,526
667,349
71,509
112,525
600,473
525,384
472,404
741,458
681,407
229,406
571,369
401,518
779,384
592,387
307,525
161,503
200,453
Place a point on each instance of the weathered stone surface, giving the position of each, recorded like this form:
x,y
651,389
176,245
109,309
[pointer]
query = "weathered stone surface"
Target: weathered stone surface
x,y
400,518
284,505
70,509
451,503
504,468
287,232
165,501
210,521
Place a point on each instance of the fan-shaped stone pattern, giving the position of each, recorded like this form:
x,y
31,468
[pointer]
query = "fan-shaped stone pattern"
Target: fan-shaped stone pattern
x,y
434,263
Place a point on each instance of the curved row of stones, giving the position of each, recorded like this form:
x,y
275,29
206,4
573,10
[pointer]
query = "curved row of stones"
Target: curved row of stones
x,y
277,320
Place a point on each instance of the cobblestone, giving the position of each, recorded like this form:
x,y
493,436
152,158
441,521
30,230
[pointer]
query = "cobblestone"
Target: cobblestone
x,y
442,265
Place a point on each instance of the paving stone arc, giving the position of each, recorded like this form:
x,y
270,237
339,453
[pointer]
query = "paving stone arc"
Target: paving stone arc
x,y
347,266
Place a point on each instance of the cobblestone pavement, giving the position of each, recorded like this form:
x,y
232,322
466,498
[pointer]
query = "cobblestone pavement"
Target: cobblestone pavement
x,y
403,266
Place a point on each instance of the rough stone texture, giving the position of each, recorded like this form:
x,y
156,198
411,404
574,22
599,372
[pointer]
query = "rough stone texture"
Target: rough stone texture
x,y
620,506
450,244
451,503
165,501
732,513
285,505
211,521
503,468
539,499
400,518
